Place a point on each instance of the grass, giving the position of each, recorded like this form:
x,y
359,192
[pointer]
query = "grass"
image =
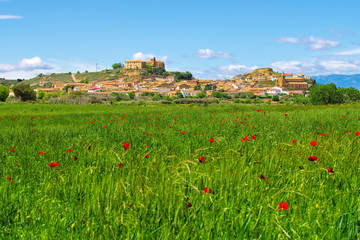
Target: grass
x,y
92,198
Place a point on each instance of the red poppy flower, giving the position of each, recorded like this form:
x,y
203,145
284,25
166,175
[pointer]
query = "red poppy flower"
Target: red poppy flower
x,y
170,153
41,153
202,133
194,134
253,137
147,156
330,170
9,178
201,159
313,143
51,165
147,134
183,133
323,134
283,206
357,133
245,139
118,165
207,190
294,141
285,114
56,164
11,149
75,158
313,158
126,145
69,150
189,204
211,140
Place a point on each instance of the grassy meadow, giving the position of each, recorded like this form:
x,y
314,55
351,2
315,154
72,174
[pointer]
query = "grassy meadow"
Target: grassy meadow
x,y
189,172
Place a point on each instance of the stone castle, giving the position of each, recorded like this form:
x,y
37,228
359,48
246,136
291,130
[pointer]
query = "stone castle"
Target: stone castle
x,y
140,64
297,83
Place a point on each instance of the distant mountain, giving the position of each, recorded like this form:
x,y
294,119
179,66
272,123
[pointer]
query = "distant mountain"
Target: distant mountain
x,y
339,80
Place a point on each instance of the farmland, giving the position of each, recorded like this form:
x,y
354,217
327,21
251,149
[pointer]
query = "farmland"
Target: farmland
x,y
186,172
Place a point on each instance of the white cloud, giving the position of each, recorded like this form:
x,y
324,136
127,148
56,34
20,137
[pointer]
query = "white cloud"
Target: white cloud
x,y
289,40
312,43
208,53
317,67
349,52
10,17
147,57
228,71
26,67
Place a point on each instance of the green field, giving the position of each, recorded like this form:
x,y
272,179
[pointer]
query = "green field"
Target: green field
x,y
100,190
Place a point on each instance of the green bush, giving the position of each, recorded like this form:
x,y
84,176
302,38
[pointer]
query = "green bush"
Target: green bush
x,y
4,93
24,92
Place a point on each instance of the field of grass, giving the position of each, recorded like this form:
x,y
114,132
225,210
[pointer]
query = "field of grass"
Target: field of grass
x,y
65,172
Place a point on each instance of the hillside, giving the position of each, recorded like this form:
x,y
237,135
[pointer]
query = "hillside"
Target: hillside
x,y
340,80
105,75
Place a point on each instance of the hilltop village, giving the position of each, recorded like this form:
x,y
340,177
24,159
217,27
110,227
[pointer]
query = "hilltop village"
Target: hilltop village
x,y
139,77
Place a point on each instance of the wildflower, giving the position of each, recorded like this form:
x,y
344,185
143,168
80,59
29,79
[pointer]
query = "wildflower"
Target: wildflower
x,y
245,139
283,206
301,168
357,133
207,190
330,170
56,164
41,153
75,158
147,156
147,134
189,204
253,137
211,140
51,165
294,141
69,150
313,158
126,145
201,159
202,133
9,178
313,143
118,165
11,149
183,133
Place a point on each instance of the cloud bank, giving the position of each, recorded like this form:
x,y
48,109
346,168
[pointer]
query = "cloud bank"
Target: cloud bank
x,y
208,53
147,57
10,17
311,43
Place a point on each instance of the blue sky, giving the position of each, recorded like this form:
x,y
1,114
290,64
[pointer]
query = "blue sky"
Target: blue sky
x,y
211,39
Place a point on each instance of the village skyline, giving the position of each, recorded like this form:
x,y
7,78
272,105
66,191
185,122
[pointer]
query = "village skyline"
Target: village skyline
x,y
208,39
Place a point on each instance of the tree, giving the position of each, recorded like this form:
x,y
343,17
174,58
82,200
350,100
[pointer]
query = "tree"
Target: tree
x,y
131,95
67,87
276,98
41,94
157,97
24,92
179,94
325,94
201,95
197,87
117,65
4,93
